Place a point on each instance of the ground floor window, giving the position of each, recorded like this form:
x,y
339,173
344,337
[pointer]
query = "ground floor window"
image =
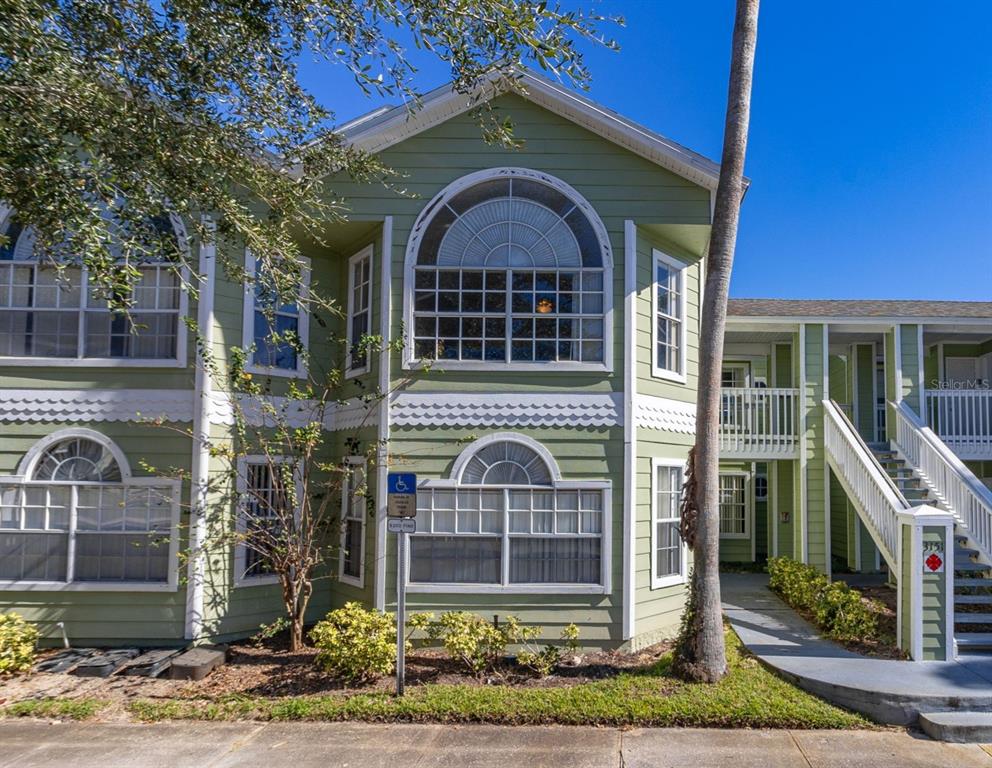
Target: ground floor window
x,y
667,550
353,511
733,506
508,521
76,516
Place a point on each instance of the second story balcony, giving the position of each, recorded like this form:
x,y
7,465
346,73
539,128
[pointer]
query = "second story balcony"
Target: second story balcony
x,y
759,423
963,420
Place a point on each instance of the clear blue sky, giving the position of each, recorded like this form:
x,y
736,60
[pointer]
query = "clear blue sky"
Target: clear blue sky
x,y
871,135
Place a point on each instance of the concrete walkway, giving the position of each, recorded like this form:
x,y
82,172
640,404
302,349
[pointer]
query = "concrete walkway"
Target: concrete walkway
x,y
894,692
362,745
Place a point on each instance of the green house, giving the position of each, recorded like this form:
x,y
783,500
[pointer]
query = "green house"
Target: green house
x,y
556,290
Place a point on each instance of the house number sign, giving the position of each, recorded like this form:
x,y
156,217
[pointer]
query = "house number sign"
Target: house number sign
x,y
933,557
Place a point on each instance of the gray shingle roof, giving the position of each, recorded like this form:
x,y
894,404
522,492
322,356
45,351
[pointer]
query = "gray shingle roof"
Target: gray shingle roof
x,y
857,308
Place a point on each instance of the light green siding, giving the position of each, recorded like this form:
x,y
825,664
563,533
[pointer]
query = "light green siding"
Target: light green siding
x,y
811,399
864,373
911,365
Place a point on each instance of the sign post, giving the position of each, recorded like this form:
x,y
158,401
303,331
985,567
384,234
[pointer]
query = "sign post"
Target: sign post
x,y
401,509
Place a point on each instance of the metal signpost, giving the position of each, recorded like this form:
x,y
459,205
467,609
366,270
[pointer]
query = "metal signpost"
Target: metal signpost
x,y
401,509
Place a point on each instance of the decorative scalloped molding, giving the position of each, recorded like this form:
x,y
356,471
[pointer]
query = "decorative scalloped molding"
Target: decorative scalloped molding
x,y
662,413
350,414
88,405
484,409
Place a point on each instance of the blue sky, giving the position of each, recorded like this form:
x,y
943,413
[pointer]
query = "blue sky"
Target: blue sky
x,y
871,135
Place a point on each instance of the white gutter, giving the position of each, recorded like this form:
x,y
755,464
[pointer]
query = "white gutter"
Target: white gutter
x,y
629,432
200,468
382,451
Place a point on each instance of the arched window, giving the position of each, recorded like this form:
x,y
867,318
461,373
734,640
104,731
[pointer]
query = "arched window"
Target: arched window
x,y
507,521
45,313
509,267
75,517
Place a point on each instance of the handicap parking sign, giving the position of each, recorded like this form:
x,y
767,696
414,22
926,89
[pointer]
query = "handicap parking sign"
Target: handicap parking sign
x,y
401,494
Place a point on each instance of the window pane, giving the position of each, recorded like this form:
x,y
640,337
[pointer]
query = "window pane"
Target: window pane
x,y
555,561
33,556
455,559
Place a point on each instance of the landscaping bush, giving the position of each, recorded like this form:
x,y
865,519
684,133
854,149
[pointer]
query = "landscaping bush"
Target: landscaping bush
x,y
356,643
841,612
546,660
18,641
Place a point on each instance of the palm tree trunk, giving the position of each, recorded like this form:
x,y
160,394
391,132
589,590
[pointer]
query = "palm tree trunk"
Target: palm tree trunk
x,y
701,649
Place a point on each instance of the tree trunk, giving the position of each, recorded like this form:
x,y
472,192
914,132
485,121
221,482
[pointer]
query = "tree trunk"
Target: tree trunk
x,y
702,655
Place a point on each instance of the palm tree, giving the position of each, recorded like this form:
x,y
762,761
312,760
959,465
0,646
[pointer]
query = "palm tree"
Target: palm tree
x,y
701,654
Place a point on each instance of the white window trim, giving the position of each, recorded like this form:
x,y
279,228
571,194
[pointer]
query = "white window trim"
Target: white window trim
x,y
605,587
248,324
748,504
182,332
744,365
355,462
660,582
682,268
365,253
411,362
240,553
21,479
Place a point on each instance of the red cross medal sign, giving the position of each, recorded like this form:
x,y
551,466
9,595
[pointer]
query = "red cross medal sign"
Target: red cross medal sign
x,y
933,557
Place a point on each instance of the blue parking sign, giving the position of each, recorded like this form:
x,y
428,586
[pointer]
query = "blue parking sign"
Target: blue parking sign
x,y
401,494
402,482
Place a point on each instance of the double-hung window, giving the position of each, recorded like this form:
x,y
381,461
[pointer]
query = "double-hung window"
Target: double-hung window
x,y
77,519
353,513
669,312
359,310
268,493
60,314
509,523
668,553
510,272
734,507
276,331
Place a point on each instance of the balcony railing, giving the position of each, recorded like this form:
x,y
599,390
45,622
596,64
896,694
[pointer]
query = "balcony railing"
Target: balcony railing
x,y
758,422
963,419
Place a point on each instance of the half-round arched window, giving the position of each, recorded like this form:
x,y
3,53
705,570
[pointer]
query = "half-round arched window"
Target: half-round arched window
x,y
77,459
506,520
50,313
511,267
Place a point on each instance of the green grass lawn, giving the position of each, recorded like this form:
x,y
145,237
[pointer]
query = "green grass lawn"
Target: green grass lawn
x,y
749,697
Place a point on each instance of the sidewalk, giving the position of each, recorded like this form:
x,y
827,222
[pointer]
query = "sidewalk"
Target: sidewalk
x,y
363,745
889,691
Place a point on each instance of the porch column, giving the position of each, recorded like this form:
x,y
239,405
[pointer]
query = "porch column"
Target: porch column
x,y
813,388
926,587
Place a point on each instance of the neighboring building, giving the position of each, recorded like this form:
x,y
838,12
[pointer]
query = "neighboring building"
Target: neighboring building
x,y
558,286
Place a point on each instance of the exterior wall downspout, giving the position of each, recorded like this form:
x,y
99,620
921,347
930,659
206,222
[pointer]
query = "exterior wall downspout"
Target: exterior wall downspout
x,y
202,418
382,450
629,434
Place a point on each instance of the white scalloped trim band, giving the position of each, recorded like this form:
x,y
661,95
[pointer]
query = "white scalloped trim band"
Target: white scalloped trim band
x,y
664,414
483,409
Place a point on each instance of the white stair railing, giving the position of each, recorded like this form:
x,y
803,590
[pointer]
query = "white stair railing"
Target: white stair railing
x,y
962,418
959,490
880,502
759,420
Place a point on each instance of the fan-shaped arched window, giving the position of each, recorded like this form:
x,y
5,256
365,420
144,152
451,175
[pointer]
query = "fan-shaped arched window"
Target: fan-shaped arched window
x,y
45,313
509,267
507,521
77,517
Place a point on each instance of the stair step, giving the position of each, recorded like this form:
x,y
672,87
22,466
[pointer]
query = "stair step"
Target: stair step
x,y
973,618
962,552
959,727
973,639
973,599
970,566
973,582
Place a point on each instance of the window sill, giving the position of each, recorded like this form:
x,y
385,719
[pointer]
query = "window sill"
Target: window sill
x,y
351,373
661,373
283,373
85,586
668,581
91,362
490,367
513,589
735,536
352,581
256,581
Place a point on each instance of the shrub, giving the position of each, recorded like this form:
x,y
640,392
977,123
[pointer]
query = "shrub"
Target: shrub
x,y
546,660
18,640
840,611
479,644
356,643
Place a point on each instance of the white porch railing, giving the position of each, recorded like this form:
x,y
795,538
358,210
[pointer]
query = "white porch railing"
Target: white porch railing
x,y
959,490
858,471
759,422
963,419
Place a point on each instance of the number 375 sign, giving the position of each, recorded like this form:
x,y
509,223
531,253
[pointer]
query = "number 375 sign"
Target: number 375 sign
x,y
933,557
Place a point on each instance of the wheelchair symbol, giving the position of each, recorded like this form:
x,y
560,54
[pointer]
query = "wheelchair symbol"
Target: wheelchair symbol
x,y
400,485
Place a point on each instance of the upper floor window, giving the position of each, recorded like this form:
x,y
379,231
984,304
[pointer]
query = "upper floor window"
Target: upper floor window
x,y
359,310
276,332
50,313
76,518
509,268
507,522
669,329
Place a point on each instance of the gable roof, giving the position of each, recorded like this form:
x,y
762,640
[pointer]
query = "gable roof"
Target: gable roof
x,y
857,308
386,126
